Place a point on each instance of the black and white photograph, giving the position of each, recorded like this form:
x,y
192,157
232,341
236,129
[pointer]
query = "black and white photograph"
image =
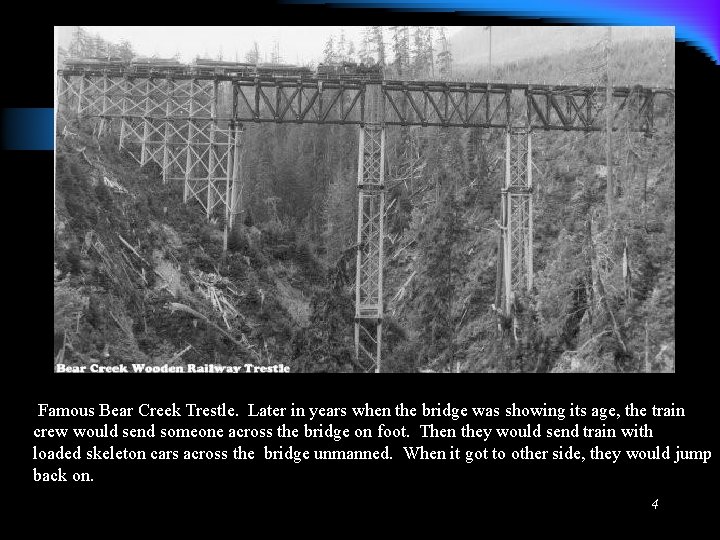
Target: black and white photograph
x,y
364,199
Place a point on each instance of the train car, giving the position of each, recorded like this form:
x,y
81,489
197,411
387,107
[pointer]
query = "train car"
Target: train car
x,y
336,70
96,63
207,67
282,70
305,72
140,64
372,72
156,66
327,71
348,71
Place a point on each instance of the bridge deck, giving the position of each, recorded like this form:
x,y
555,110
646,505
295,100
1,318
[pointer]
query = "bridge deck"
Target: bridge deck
x,y
342,101
355,82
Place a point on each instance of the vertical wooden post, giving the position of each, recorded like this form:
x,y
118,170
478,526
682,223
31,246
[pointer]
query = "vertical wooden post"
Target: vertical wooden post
x,y
361,204
80,96
234,129
123,119
212,151
357,338
530,231
647,349
359,247
507,223
190,134
103,114
490,52
499,264
381,247
166,142
228,175
236,195
146,125
610,190
378,329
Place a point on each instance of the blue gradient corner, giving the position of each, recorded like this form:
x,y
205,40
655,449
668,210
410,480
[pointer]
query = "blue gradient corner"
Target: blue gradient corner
x,y
27,129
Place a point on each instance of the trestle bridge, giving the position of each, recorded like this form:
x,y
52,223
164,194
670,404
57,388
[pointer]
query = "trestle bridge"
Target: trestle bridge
x,y
192,127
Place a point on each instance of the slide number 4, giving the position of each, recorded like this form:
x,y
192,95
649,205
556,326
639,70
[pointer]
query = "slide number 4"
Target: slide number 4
x,y
655,504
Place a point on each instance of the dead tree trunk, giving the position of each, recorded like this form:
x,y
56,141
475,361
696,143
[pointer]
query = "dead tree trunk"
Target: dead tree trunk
x,y
603,296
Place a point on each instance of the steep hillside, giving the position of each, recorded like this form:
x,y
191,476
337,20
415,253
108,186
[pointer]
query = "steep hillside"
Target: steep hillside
x,y
140,276
603,296
470,45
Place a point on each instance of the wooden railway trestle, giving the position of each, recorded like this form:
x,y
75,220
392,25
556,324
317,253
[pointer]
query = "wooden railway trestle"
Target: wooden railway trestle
x,y
192,126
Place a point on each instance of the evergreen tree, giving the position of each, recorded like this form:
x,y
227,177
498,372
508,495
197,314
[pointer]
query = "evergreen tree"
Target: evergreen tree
x,y
444,56
81,45
125,50
365,46
329,54
379,44
419,56
401,50
253,55
276,58
429,49
423,52
439,279
351,51
339,213
341,47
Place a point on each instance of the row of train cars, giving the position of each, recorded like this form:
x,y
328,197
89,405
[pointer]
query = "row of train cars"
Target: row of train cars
x,y
163,67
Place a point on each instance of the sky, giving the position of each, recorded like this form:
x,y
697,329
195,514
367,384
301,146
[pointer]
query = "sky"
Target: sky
x,y
298,44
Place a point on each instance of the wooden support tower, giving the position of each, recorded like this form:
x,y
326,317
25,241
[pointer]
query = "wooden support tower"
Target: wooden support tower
x,y
236,189
370,233
517,217
212,155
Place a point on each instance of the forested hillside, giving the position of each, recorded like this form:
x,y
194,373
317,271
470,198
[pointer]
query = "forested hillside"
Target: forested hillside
x,y
471,45
140,276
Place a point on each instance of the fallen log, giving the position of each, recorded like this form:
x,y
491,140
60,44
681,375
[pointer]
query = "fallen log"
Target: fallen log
x,y
134,251
178,355
176,306
127,332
